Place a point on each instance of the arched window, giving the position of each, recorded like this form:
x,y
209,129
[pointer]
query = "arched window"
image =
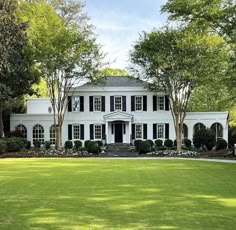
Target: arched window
x,y
52,135
218,130
22,129
198,126
185,131
38,133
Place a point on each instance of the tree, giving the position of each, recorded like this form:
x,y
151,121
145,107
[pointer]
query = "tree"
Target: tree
x,y
17,72
66,53
176,61
114,72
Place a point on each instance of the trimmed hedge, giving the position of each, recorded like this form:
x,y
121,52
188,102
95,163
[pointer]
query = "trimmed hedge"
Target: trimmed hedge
x,y
86,143
187,143
221,144
93,147
204,137
68,145
37,144
77,145
168,143
158,143
151,142
47,145
144,147
13,144
137,144
3,146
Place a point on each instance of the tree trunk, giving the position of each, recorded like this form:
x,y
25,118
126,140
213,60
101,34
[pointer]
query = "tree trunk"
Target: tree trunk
x,y
58,136
178,132
1,125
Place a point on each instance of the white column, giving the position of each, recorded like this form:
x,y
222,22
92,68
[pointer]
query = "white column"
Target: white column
x,y
106,132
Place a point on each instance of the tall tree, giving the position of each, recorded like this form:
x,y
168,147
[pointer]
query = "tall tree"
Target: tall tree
x,y
176,61
17,72
65,50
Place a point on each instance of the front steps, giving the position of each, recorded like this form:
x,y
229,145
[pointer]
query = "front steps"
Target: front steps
x,y
119,150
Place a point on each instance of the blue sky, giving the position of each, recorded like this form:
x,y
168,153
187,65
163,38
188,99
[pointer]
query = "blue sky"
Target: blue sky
x,y
119,22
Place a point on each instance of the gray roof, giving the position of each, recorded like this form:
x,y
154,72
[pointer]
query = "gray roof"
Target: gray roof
x,y
118,81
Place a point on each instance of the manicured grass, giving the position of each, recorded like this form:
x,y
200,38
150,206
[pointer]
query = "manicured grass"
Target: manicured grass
x,y
116,194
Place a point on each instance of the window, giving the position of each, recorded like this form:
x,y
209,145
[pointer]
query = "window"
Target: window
x,y
185,131
23,130
138,131
138,103
198,126
38,134
97,102
218,130
76,104
52,135
118,103
160,103
76,131
160,131
97,131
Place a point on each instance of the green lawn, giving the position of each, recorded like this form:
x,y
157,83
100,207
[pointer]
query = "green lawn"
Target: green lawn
x,y
116,194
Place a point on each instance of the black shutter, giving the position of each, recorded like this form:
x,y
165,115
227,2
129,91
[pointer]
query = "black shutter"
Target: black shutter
x,y
103,104
132,103
111,103
154,103
91,103
104,132
167,103
133,131
112,128
91,132
144,131
124,127
81,132
69,103
81,103
69,132
144,103
154,131
124,103
166,131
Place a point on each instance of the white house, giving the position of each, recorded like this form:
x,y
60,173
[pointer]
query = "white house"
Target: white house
x,y
116,110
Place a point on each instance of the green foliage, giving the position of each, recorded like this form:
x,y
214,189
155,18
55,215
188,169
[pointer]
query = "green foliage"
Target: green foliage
x,y
221,144
137,144
77,145
68,145
168,143
158,143
3,146
204,137
47,145
175,142
114,72
93,147
15,144
28,145
100,144
37,144
86,143
144,147
187,142
161,148
151,142
232,137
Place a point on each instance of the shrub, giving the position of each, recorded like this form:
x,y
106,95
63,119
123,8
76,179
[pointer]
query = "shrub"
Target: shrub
x,y
221,144
3,146
151,142
168,143
28,145
37,144
99,143
175,142
232,137
161,148
187,143
144,147
86,143
93,147
47,144
204,137
68,145
137,144
77,145
158,143
14,144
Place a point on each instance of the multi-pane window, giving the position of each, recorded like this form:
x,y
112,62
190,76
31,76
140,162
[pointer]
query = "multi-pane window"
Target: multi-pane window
x,y
97,103
160,131
138,103
118,103
38,134
23,130
76,104
218,130
198,126
76,131
160,103
138,131
97,131
52,135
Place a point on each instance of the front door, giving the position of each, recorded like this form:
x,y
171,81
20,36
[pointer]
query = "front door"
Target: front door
x,y
118,133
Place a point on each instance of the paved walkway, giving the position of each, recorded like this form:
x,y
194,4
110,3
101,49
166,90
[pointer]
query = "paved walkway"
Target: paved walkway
x,y
169,158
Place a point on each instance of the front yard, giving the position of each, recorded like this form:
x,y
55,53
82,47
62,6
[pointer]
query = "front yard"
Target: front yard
x,y
75,193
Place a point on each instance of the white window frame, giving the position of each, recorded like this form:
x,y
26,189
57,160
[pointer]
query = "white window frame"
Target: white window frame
x,y
97,137
78,105
160,103
161,125
141,109
52,135
141,132
36,135
22,129
76,132
121,103
97,108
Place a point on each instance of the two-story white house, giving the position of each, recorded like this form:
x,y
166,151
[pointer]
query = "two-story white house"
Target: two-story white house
x,y
116,110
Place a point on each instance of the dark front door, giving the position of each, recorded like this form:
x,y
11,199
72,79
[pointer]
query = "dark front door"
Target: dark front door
x,y
118,133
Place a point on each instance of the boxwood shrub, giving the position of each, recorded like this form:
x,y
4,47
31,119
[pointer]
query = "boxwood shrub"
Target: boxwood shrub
x,y
137,144
187,143
77,145
204,137
68,145
93,147
47,145
37,144
221,144
86,143
151,142
168,143
3,145
144,147
158,143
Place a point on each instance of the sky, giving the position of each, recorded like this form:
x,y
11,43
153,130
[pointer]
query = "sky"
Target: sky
x,y
118,24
